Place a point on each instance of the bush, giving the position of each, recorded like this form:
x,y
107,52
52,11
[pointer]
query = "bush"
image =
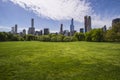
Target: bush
x,y
3,36
79,36
30,37
67,39
96,35
88,36
45,38
53,39
113,34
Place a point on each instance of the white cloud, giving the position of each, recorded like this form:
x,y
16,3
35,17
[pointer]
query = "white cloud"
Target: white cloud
x,y
8,29
57,9
4,28
100,21
65,10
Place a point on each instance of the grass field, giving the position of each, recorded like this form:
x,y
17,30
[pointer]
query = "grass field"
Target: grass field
x,y
59,61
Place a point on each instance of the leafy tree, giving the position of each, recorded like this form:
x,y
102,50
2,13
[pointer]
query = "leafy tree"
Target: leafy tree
x,y
60,38
88,36
96,35
30,37
67,39
114,33
80,36
3,36
45,38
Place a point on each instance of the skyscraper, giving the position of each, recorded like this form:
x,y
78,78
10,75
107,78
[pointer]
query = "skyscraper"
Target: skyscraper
x,y
117,20
41,32
61,29
32,22
72,27
32,29
81,30
104,28
15,28
24,31
46,31
12,30
87,23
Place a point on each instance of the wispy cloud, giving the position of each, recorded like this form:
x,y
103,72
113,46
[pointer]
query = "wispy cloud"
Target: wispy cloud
x,y
65,10
8,29
4,28
100,21
57,9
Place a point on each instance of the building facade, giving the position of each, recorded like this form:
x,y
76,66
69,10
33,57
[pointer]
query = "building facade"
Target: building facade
x,y
104,28
24,31
117,20
16,28
81,30
31,30
61,29
66,33
46,31
72,27
87,23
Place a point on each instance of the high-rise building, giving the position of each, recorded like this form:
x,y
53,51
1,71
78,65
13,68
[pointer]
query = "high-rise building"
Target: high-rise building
x,y
46,31
32,22
61,29
15,29
81,30
41,32
37,33
66,32
32,29
24,31
87,23
104,28
21,34
72,27
117,20
12,30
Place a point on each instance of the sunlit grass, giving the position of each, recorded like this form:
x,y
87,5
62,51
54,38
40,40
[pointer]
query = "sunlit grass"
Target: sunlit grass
x,y
59,61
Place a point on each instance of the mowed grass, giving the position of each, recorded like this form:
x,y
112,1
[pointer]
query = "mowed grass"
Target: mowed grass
x,y
59,61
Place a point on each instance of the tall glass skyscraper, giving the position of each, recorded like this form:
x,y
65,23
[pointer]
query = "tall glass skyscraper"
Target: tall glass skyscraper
x,y
72,27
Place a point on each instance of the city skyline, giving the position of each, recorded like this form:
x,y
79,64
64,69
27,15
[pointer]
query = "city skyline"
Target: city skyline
x,y
45,31
13,12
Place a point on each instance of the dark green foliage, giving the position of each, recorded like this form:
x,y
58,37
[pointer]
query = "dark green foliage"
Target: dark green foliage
x,y
3,36
30,37
88,36
57,38
60,38
95,35
67,39
114,33
53,39
80,36
45,38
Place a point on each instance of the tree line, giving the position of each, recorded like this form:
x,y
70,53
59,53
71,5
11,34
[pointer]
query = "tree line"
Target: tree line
x,y
95,35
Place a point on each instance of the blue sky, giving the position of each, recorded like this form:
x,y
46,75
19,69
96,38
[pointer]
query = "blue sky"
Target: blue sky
x,y
51,13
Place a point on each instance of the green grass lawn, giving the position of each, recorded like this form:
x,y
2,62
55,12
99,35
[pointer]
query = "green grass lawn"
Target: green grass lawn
x,y
59,61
